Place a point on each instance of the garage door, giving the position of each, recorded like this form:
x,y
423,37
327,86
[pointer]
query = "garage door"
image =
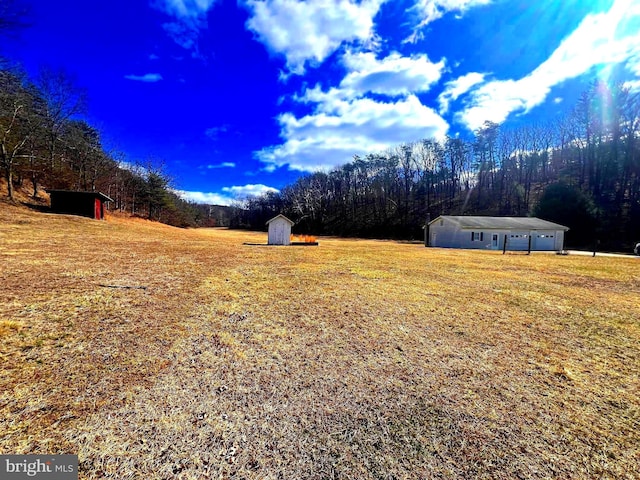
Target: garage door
x,y
544,241
518,241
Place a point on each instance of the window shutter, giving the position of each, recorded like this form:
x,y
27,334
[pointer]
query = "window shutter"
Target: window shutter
x,y
481,236
472,236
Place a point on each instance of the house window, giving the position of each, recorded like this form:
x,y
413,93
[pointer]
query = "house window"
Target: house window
x,y
441,223
476,236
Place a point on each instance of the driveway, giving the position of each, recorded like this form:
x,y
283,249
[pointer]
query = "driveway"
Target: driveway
x,y
603,254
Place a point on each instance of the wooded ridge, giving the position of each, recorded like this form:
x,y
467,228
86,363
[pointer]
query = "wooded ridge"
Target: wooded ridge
x,y
582,171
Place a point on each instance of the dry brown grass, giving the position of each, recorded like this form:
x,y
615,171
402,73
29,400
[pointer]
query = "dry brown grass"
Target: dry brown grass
x,y
356,359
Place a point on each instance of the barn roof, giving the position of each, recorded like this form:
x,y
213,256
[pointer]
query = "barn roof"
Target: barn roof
x,y
280,216
74,193
501,223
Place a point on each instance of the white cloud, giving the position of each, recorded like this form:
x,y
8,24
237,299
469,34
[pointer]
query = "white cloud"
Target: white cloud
x,y
214,132
634,68
228,195
430,10
250,190
457,87
393,75
208,198
310,31
147,77
601,39
185,8
633,85
184,34
342,128
345,122
221,165
190,18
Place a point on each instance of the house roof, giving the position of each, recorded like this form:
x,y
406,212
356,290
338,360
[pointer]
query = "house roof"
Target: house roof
x,y
280,216
75,193
501,223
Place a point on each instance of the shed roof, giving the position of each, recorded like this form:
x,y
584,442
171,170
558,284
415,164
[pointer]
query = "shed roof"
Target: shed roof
x,y
75,193
501,223
280,216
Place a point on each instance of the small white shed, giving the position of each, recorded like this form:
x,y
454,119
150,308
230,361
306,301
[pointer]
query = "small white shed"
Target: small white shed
x,y
279,230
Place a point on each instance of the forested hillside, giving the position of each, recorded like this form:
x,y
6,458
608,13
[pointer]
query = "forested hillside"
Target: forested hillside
x,y
45,143
582,171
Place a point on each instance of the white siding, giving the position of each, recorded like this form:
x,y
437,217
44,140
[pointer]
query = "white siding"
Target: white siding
x,y
279,232
445,233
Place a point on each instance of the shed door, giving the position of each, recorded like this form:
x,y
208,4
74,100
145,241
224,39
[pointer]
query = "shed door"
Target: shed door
x,y
280,233
98,209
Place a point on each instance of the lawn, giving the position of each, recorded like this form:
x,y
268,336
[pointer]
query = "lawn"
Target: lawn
x,y
154,352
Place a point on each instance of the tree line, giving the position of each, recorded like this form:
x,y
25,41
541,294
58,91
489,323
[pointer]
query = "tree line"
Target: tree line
x,y
45,142
582,171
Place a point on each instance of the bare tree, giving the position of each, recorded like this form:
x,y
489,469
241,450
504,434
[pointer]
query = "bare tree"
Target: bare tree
x,y
19,119
63,100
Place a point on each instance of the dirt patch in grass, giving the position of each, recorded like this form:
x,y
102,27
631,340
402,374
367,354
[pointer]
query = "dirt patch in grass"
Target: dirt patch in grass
x,y
354,359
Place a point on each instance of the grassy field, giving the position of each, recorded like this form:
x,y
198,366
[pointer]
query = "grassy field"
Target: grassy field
x,y
153,352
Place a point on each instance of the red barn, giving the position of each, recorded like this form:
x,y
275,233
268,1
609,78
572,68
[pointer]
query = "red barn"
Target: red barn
x,y
86,204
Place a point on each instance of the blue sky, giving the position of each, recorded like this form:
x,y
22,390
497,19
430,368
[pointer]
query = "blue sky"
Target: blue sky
x,y
238,97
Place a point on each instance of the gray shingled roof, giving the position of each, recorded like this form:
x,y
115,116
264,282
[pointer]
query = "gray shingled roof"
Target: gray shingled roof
x,y
502,223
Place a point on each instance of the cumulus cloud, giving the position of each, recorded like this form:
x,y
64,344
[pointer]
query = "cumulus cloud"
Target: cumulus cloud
x,y
455,88
393,75
250,190
601,39
147,77
346,122
228,194
430,10
190,17
208,198
310,31
342,128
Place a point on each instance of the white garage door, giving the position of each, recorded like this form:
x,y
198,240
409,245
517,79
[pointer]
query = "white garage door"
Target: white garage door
x,y
544,241
518,241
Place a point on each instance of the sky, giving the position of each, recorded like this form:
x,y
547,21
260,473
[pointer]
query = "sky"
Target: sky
x,y
242,97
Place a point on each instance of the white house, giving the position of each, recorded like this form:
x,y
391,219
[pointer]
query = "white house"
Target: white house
x,y
279,230
489,233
